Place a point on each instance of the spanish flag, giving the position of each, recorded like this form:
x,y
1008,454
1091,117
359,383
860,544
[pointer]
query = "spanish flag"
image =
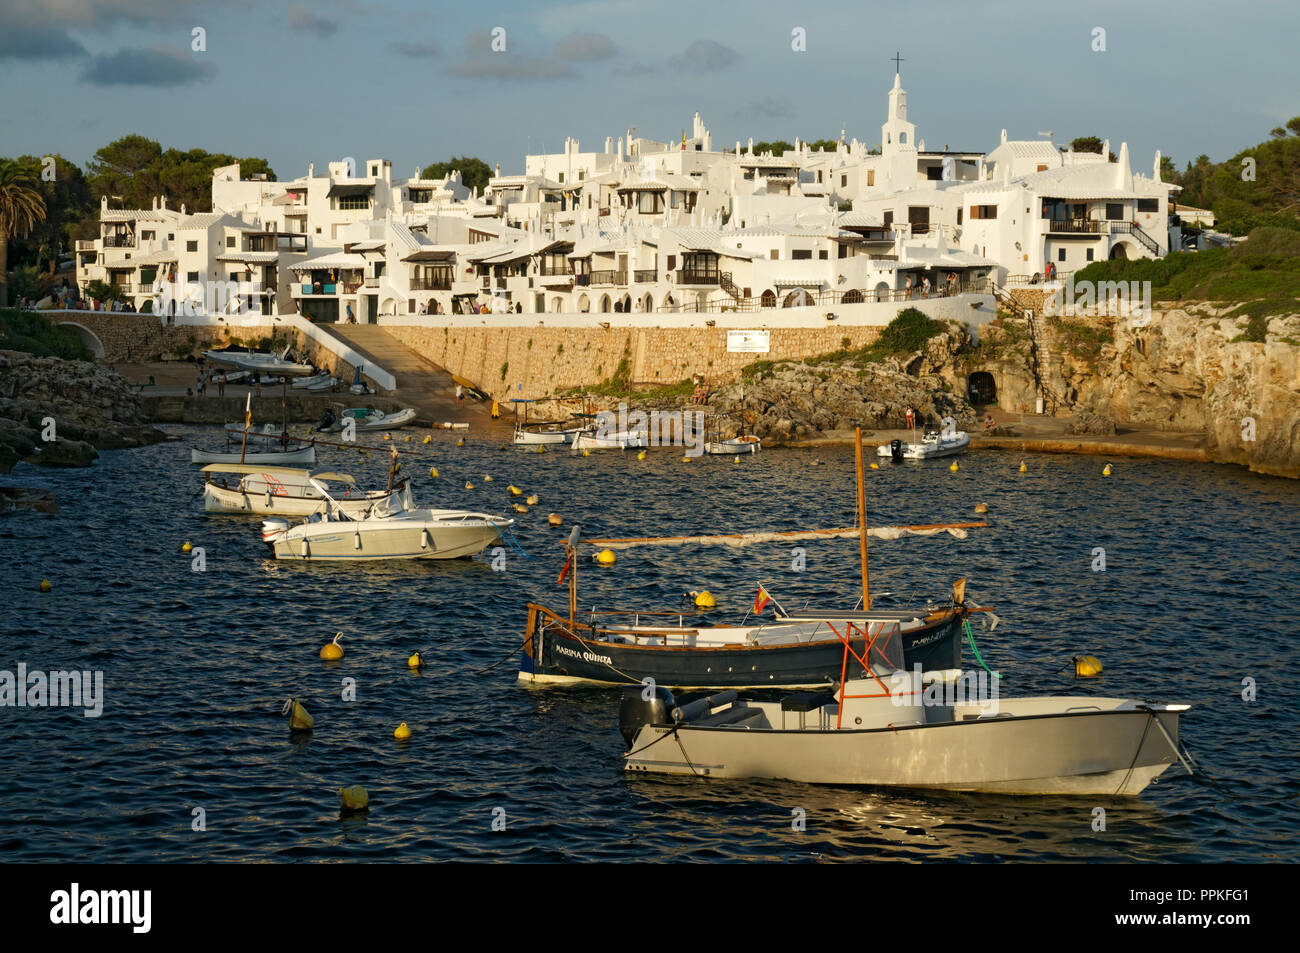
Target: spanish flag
x,y
761,600
565,571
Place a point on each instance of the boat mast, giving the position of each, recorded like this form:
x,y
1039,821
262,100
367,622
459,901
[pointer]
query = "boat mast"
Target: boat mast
x,y
862,527
572,554
248,419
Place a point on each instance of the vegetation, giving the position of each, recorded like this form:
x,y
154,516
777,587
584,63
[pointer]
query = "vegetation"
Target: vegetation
x,y
1082,340
1258,187
36,334
474,173
102,291
1090,144
22,208
908,333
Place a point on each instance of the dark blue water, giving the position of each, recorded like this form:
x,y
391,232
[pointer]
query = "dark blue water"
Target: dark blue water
x,y
1198,594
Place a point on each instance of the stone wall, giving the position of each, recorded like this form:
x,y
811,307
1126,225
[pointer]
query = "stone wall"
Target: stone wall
x,y
545,360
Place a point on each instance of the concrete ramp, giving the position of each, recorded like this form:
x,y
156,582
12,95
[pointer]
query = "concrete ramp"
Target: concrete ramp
x,y
421,384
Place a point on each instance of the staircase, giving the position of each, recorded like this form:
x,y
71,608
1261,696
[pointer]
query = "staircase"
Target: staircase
x,y
421,384
726,283
1145,240
1040,357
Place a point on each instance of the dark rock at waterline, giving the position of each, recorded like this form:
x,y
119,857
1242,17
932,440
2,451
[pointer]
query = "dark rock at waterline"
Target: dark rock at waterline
x,y
59,413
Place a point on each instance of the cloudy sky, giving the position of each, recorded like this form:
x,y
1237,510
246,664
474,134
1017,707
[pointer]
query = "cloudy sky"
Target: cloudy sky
x,y
418,82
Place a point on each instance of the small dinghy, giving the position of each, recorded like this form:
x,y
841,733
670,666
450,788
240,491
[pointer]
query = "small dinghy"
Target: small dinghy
x,y
365,419
296,453
743,444
303,383
624,440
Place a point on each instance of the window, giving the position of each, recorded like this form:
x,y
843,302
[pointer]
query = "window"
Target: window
x,y
171,238
959,211
844,181
775,254
871,177
844,250
191,246
819,175
350,203
147,236
581,175
1149,205
650,203
419,196
230,241
1115,211
1060,254
801,254
889,218
561,178
1088,252
234,277
672,262
191,276
934,173
983,212
675,200
1042,168
748,174
822,254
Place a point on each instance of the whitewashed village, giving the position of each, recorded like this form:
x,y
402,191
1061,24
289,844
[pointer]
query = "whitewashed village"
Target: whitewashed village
x,y
642,227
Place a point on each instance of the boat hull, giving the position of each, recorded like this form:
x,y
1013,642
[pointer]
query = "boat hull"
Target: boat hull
x,y
554,655
236,502
383,540
617,441
1073,752
271,457
731,447
930,451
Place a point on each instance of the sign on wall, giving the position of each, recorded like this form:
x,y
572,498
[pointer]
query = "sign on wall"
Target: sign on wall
x,y
748,342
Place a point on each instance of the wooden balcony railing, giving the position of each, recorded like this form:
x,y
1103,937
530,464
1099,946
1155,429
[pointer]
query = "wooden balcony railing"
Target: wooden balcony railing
x,y
697,277
646,275
1074,226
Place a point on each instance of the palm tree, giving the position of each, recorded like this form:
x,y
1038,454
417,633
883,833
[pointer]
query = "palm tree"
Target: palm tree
x,y
22,207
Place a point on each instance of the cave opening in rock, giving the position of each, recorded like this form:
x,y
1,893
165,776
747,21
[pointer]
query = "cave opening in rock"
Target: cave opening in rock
x,y
981,388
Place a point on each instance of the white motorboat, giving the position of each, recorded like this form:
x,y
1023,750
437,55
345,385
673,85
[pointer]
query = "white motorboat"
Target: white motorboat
x,y
931,446
366,419
897,729
305,382
596,440
280,491
747,443
257,362
329,383
390,530
538,436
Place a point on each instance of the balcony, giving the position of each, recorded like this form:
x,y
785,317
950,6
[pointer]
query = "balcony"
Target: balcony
x,y
553,272
431,284
697,277
84,245
119,241
318,288
607,277
1074,226
646,275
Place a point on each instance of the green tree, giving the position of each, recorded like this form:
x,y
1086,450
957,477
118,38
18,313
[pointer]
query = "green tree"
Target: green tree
x,y
67,207
474,173
135,170
22,208
777,148
102,291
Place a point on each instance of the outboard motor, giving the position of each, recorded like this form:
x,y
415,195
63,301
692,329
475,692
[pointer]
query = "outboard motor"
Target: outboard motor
x,y
273,529
896,450
327,421
637,710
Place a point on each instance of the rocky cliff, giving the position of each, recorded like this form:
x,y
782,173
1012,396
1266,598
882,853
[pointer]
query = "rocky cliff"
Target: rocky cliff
x,y
55,412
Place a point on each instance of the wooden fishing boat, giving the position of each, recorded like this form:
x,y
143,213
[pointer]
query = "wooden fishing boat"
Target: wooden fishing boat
x,y
276,449
366,419
748,443
796,650
279,491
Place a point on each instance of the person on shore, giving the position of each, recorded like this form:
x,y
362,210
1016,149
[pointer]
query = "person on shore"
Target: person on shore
x,y
460,394
221,386
925,287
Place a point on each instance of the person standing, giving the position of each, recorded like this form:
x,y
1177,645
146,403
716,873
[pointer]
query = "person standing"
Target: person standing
x,y
460,394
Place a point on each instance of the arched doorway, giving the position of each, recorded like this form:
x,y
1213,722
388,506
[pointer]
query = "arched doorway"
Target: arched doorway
x,y
89,337
1119,252
882,291
556,305
627,304
797,299
584,304
605,303
669,302
768,299
649,303
853,297
981,388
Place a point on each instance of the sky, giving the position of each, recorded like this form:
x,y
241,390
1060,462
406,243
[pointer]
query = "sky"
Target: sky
x,y
298,82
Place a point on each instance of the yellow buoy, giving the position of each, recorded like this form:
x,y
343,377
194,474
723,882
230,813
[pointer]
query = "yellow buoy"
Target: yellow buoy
x,y
686,457
1106,470
415,661
953,468
387,437
433,472
1023,468
427,439
875,466
641,455
186,547
407,438
705,600
605,557
555,519
540,448
586,453
332,650
460,442
46,586
401,732
353,800
299,719
469,486
532,500
1086,666
737,460
514,490
981,507
519,507
486,478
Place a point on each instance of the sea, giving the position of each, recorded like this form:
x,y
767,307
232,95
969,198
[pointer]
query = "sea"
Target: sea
x,y
1178,577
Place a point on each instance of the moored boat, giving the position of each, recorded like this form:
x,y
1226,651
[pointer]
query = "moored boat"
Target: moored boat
x,y
279,491
932,445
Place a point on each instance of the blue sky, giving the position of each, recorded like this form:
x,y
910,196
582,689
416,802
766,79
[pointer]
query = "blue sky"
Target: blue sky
x,y
302,82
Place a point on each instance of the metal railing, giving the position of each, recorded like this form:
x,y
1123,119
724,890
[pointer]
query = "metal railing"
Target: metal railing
x,y
1074,226
645,275
606,277
119,241
430,284
697,277
807,299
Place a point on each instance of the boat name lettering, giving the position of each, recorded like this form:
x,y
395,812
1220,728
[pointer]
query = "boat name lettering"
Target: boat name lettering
x,y
585,656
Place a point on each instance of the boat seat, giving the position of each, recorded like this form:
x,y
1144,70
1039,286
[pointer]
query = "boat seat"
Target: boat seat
x,y
806,701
